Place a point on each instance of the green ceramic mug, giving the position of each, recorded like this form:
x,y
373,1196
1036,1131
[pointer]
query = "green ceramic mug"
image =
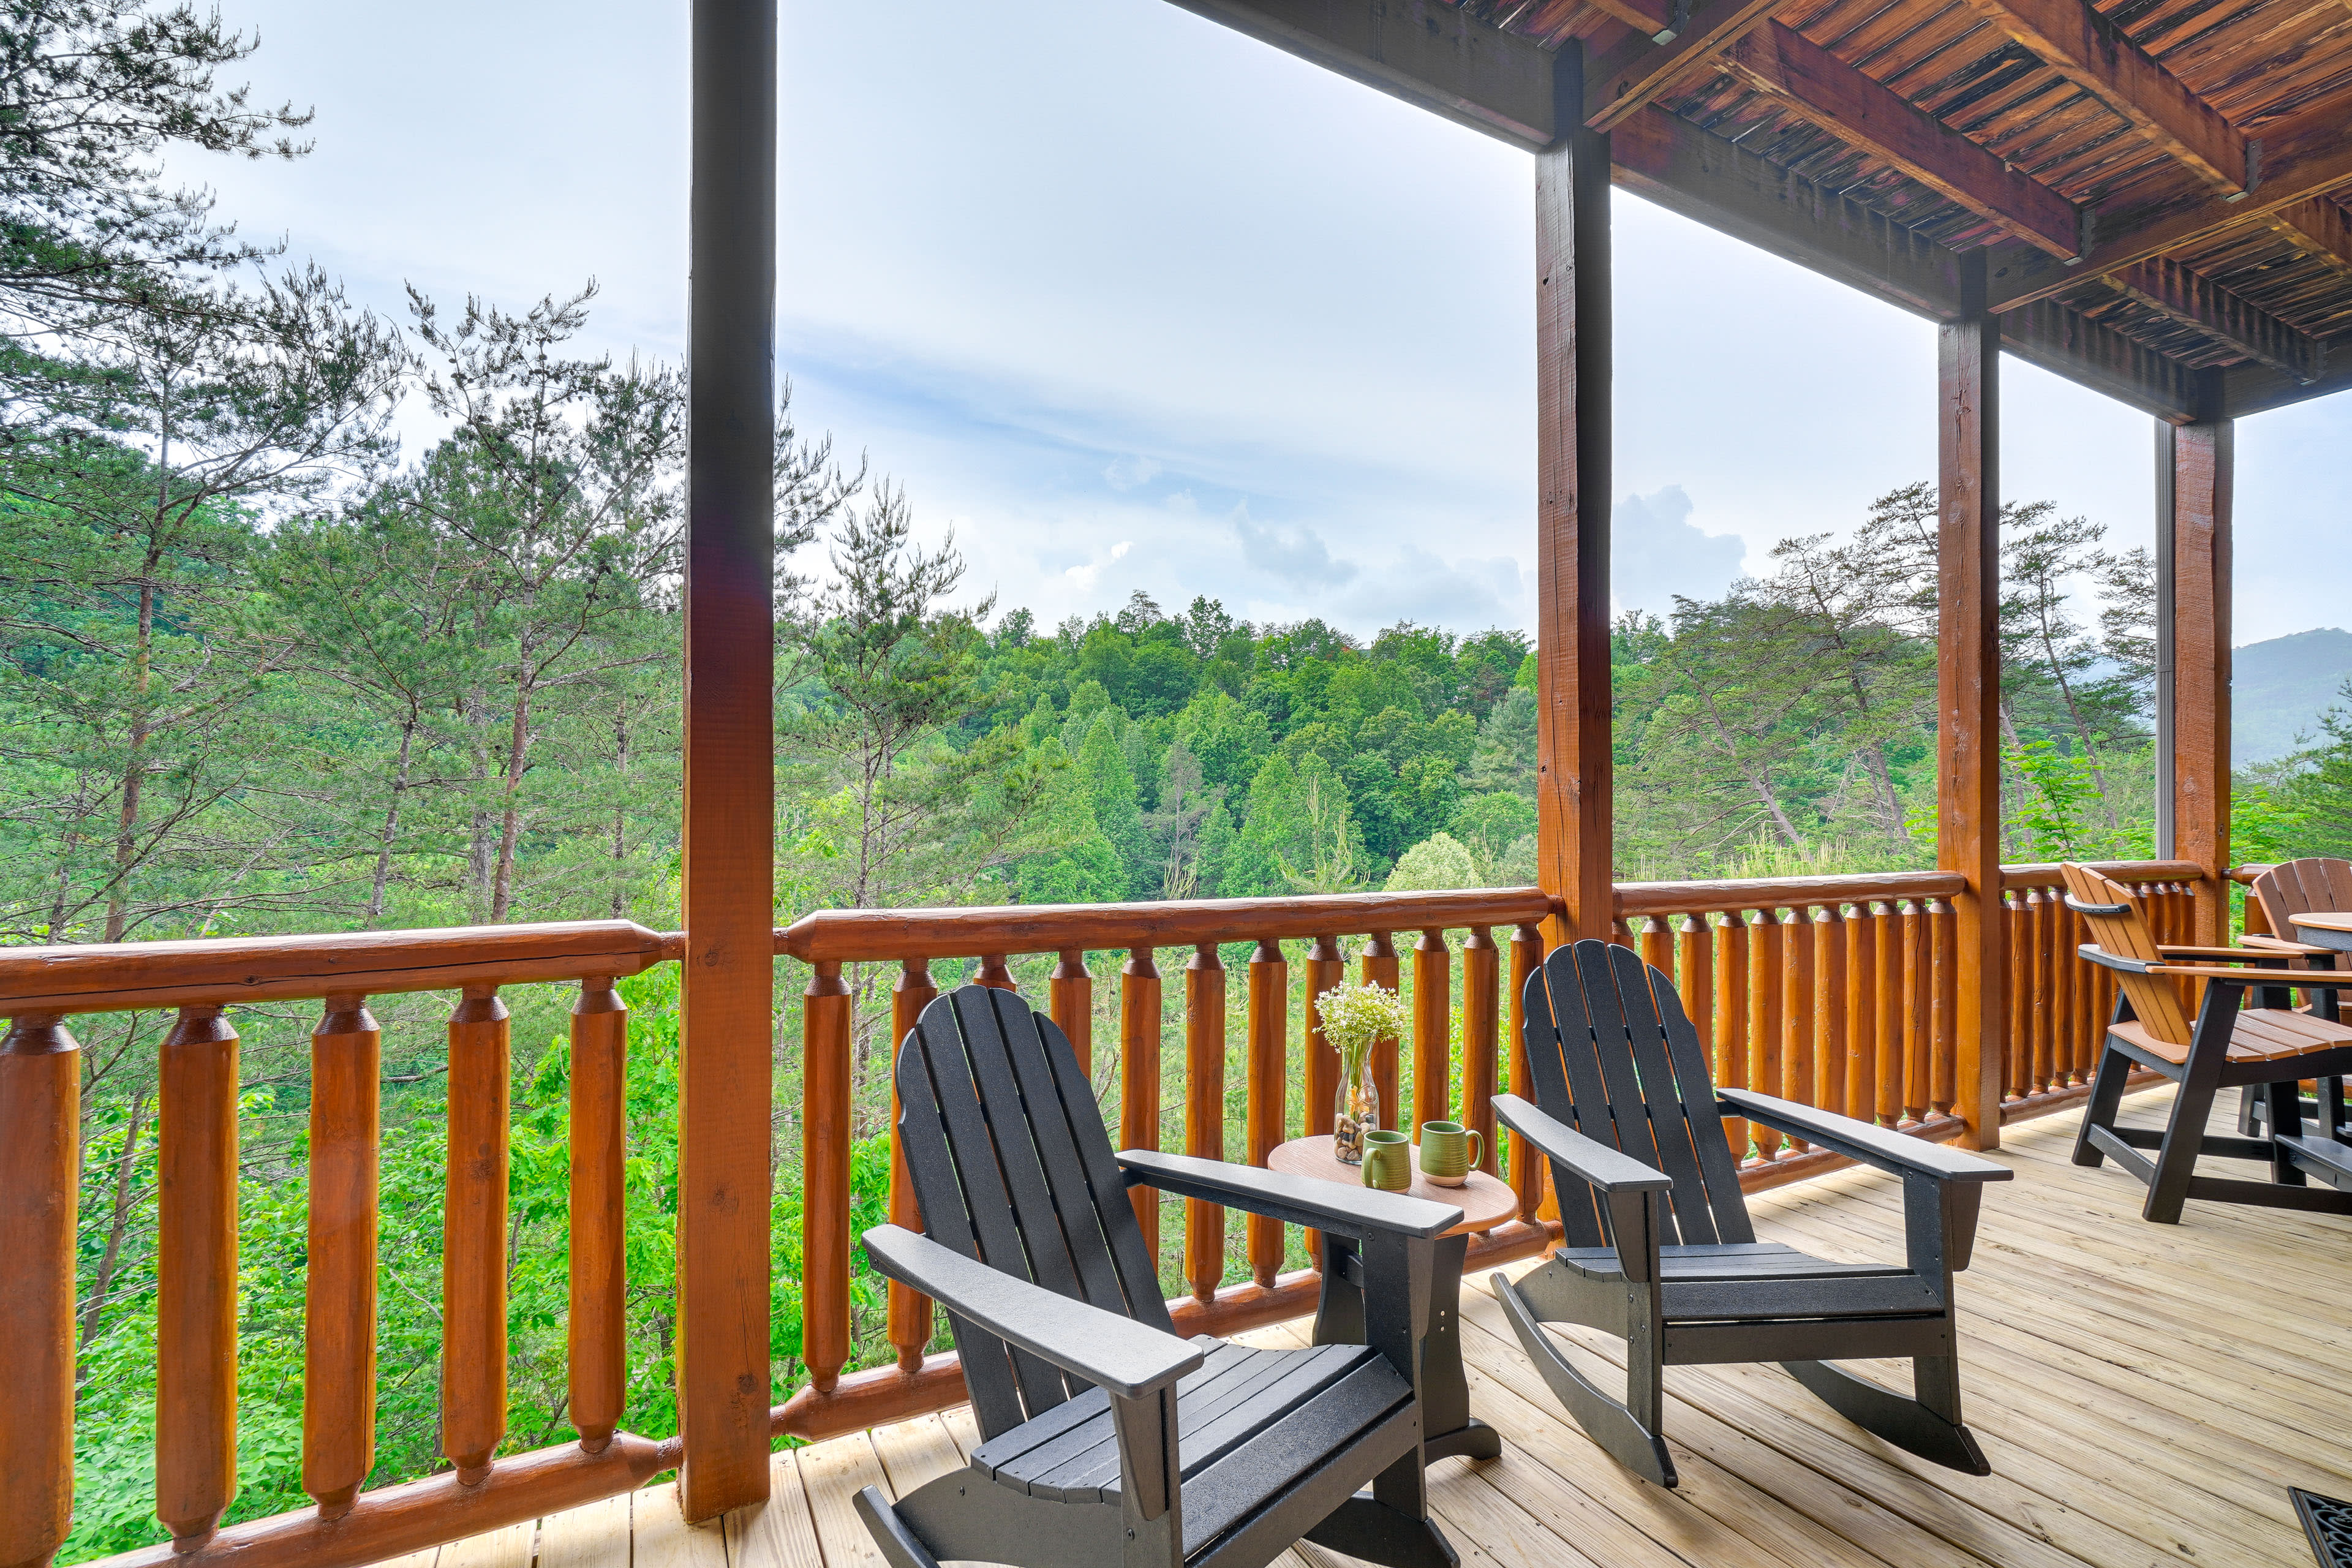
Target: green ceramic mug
x,y
1445,1152
1388,1162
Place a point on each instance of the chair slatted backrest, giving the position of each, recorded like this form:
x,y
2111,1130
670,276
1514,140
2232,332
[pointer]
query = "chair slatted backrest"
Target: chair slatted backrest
x,y
1011,1167
1613,1056
2317,884
2119,927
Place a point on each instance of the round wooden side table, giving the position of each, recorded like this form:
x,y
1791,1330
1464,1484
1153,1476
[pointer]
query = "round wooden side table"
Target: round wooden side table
x,y
1485,1202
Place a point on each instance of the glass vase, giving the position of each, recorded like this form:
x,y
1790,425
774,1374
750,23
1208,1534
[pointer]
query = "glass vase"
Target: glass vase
x,y
1357,1113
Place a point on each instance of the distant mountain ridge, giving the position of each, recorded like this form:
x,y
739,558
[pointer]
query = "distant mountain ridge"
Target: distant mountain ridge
x,y
2279,689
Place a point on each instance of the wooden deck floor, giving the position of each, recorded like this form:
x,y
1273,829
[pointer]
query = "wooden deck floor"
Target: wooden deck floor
x,y
2146,1394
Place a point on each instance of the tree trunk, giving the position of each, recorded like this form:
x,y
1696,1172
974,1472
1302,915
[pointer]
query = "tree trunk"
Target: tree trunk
x,y
511,821
126,831
390,823
94,1307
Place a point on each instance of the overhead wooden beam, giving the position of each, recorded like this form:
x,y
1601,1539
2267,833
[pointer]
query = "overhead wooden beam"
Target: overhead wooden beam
x,y
2170,289
1621,83
2091,51
1865,113
1574,745
2319,227
1967,689
2307,158
2093,354
1438,57
2257,388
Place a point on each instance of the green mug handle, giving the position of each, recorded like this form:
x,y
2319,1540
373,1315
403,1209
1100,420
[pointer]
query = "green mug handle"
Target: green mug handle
x,y
1478,1146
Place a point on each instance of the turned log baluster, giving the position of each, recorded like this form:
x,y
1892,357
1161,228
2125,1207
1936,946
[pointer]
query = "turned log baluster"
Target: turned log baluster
x,y
908,1316
474,1236
1527,1170
1800,1016
1433,1029
1918,1011
195,1295
40,1150
1891,1034
1731,1037
1268,1109
1765,991
340,1295
596,1331
1138,1079
1479,1022
996,974
1831,1002
1204,1114
2016,1034
1653,938
1070,1001
1943,1044
1860,1015
826,1009
1378,967
2047,1070
1326,967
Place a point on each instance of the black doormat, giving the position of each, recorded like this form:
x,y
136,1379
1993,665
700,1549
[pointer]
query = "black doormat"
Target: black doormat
x,y
2328,1521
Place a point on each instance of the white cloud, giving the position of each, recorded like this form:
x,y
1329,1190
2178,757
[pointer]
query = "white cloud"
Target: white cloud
x,y
1293,552
1128,472
1655,552
1084,577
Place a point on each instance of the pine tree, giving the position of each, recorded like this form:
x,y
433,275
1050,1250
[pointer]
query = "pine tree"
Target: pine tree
x,y
1110,790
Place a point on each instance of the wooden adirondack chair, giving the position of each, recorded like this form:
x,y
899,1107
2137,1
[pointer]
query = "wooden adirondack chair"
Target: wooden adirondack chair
x,y
2290,889
2272,1048
1108,1440
1658,1247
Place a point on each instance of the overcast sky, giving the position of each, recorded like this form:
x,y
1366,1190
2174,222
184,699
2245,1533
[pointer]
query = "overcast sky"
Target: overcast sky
x,y
1132,301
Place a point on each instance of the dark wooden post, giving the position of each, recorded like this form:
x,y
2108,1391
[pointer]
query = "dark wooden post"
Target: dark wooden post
x,y
1572,440
727,1082
1967,689
2195,466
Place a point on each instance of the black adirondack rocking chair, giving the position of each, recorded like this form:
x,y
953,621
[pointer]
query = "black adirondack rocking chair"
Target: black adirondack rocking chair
x,y
1658,1248
1108,1438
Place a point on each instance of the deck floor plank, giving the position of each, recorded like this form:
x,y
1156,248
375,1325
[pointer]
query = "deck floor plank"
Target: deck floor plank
x,y
2146,1394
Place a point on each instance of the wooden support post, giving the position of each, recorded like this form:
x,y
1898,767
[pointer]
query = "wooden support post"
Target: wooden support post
x,y
1968,692
1268,1105
908,1316
474,1236
40,1105
196,1297
1573,781
339,1295
2195,473
1204,1114
726,1078
596,1332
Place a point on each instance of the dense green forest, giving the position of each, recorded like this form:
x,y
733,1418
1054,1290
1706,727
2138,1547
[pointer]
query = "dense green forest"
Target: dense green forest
x,y
262,670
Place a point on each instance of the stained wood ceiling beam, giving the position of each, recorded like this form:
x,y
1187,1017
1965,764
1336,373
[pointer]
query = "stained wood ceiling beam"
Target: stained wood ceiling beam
x,y
2301,160
2319,227
1621,83
2092,52
2173,290
2258,388
1780,61
1438,57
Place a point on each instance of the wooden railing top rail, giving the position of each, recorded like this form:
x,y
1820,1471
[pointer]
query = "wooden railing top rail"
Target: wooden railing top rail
x,y
848,936
1779,893
114,977
2046,875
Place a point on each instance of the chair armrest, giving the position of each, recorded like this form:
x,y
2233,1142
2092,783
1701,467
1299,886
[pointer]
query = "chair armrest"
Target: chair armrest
x,y
2266,952
1594,1163
1118,1354
1859,1141
2296,979
2278,944
1294,1200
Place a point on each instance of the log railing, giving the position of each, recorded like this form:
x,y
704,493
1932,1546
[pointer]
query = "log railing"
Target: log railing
x,y
196,1326
1836,991
1131,947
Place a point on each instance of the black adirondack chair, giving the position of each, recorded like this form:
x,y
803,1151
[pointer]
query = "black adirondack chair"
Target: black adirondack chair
x,y
1108,1440
2269,1048
2287,890
1658,1248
